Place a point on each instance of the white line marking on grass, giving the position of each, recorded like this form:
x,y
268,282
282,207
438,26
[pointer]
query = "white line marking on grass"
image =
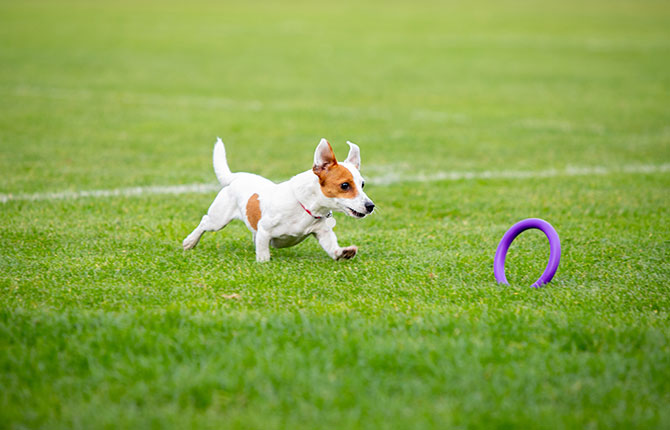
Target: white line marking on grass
x,y
116,192
385,180
396,178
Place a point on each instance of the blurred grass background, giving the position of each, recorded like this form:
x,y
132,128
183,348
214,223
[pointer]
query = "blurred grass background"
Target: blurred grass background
x,y
128,93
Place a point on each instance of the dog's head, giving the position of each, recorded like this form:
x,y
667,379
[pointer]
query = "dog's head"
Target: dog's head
x,y
342,182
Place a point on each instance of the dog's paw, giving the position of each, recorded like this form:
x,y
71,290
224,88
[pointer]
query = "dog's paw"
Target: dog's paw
x,y
189,243
346,253
262,258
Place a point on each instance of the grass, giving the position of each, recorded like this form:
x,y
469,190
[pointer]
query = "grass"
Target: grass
x,y
106,323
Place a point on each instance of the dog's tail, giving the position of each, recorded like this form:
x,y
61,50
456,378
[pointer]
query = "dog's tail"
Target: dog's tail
x,y
221,169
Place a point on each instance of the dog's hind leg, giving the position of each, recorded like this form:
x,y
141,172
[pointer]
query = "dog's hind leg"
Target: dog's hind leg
x,y
222,211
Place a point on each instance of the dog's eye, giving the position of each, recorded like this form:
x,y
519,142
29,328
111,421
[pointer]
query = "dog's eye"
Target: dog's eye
x,y
345,185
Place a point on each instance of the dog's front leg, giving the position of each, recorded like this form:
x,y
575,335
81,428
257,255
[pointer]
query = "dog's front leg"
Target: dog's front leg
x,y
328,242
262,242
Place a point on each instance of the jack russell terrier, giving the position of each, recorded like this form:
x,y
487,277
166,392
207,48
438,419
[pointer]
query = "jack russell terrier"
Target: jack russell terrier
x,y
284,214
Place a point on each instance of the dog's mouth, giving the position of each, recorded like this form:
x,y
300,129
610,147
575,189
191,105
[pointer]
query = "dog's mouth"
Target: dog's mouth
x,y
354,213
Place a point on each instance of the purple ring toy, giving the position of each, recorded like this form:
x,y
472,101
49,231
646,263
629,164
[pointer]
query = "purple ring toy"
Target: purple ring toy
x,y
512,233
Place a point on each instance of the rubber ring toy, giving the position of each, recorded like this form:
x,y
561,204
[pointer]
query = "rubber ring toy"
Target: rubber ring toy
x,y
512,233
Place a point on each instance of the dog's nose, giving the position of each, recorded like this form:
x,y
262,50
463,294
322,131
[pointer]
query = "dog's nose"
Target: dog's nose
x,y
369,206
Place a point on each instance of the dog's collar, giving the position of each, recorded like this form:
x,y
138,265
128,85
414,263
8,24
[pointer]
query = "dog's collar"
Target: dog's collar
x,y
328,215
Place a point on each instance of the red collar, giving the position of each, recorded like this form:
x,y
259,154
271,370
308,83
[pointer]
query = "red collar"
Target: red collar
x,y
328,215
307,210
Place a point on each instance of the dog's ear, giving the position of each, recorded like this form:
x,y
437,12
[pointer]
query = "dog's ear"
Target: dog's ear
x,y
354,156
324,157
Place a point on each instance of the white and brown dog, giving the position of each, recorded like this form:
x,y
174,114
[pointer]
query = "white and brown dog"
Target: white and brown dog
x,y
284,214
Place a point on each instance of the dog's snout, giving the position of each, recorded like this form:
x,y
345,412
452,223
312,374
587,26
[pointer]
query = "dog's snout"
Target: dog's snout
x,y
369,206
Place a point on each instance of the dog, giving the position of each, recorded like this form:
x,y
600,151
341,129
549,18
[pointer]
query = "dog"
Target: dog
x,y
284,214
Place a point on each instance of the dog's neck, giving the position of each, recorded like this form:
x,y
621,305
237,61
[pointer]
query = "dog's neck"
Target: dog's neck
x,y
308,193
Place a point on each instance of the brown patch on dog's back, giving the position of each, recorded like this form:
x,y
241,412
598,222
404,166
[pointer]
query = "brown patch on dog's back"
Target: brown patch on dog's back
x,y
254,211
331,179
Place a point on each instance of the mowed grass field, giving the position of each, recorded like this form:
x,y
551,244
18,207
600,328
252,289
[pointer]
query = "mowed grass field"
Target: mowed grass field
x,y
559,111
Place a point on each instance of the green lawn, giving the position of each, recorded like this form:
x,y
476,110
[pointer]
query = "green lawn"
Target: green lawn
x,y
106,323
